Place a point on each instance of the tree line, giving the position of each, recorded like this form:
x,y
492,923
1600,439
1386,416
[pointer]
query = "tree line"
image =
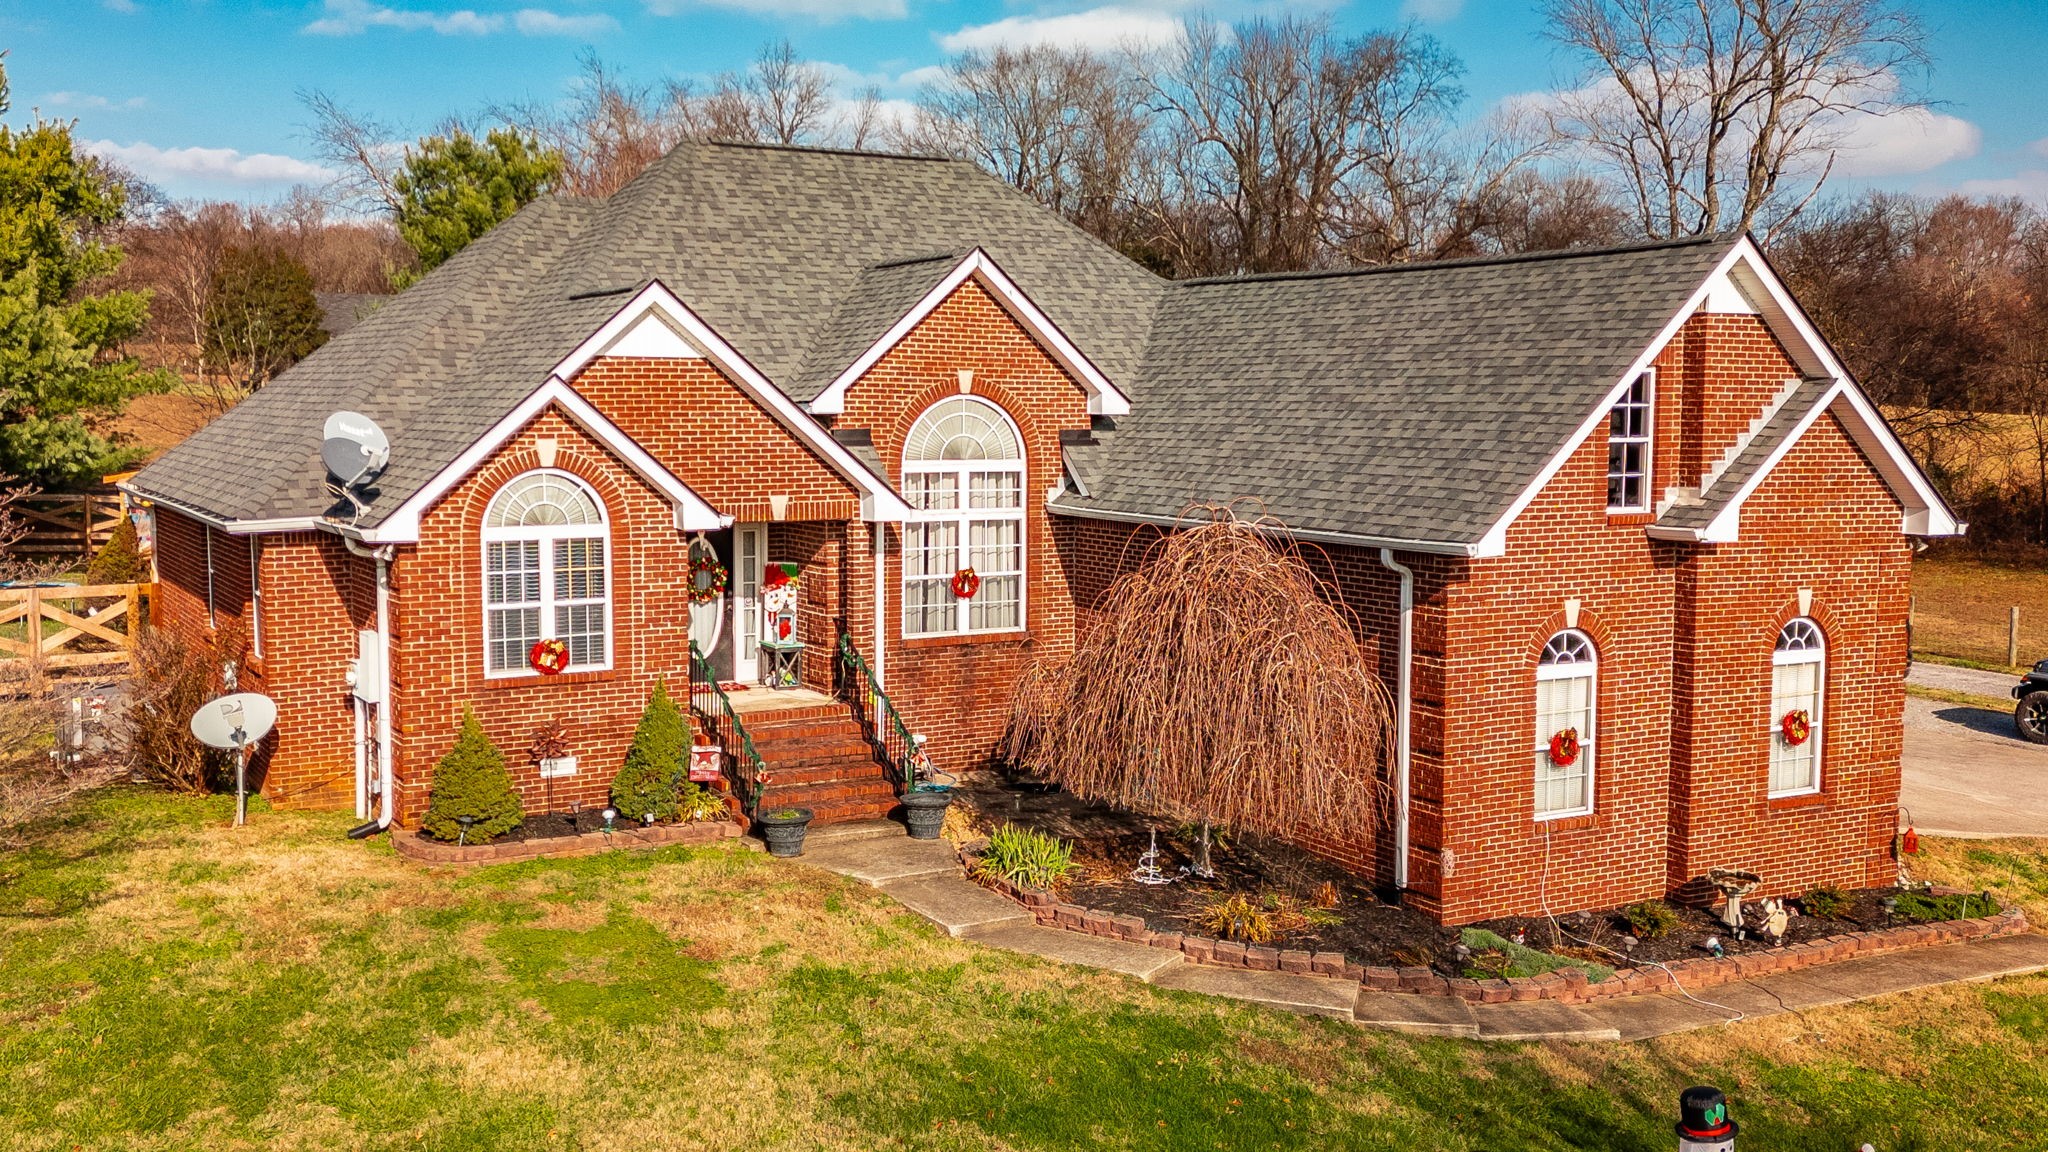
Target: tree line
x,y
1269,145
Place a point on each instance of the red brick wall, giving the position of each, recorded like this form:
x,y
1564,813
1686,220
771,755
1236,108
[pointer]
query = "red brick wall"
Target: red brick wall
x,y
438,622
715,438
956,690
1714,379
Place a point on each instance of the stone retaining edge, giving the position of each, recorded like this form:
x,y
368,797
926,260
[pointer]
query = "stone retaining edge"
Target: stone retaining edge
x,y
413,846
1567,985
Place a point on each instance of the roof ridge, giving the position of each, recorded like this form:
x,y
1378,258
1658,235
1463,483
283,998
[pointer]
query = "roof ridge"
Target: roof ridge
x,y
1465,261
823,150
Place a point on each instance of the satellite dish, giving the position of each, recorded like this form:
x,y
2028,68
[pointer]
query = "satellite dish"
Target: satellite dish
x,y
235,721
354,448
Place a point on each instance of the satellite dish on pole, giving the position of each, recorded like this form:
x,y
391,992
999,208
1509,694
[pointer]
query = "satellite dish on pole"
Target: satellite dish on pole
x,y
236,722
355,450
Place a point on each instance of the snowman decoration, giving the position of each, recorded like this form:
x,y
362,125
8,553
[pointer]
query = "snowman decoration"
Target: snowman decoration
x,y
778,600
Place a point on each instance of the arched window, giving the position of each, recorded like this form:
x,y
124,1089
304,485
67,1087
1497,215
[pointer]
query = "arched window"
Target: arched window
x,y
963,474
544,573
1565,682
1798,677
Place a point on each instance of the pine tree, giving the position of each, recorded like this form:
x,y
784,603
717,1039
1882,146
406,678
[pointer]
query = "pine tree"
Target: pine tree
x,y
471,781
119,560
647,781
453,189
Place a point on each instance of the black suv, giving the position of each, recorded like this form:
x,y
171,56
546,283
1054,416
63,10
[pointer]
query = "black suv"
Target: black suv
x,y
2031,717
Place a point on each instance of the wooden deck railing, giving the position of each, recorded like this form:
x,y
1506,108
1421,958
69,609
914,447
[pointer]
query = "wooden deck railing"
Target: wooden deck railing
x,y
83,638
64,524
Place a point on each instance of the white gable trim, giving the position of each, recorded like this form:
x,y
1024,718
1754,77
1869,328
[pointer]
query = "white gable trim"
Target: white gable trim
x,y
879,502
692,513
1104,399
1924,513
1744,269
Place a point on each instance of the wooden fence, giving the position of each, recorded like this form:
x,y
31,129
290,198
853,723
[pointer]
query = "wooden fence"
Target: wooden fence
x,y
64,523
84,636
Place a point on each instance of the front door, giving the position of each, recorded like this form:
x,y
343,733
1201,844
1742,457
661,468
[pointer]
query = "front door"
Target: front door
x,y
749,553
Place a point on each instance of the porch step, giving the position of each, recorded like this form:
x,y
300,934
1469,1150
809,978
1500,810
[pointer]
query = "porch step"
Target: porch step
x,y
827,794
851,771
854,830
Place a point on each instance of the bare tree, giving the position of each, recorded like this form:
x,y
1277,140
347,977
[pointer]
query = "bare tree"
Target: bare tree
x,y
1715,114
364,153
790,97
610,130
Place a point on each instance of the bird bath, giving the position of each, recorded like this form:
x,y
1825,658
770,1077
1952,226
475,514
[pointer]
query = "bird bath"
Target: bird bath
x,y
1734,884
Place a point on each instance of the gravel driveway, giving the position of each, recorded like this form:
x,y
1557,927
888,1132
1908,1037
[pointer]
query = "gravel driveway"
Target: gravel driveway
x,y
1967,773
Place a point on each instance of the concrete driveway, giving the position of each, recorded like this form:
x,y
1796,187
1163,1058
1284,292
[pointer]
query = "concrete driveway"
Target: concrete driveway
x,y
1967,773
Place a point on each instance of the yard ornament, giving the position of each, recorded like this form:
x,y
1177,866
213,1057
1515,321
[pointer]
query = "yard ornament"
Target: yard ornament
x,y
549,657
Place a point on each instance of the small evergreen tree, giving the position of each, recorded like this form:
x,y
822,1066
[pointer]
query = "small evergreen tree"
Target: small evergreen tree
x,y
454,188
647,782
471,781
119,560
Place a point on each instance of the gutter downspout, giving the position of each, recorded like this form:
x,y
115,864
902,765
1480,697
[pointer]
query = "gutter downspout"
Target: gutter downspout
x,y
1402,694
881,540
382,555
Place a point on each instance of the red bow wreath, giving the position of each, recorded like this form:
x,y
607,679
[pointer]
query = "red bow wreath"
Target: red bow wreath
x,y
704,591
1796,726
1564,747
549,657
966,582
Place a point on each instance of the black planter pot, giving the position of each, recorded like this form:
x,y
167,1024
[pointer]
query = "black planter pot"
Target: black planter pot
x,y
783,829
925,811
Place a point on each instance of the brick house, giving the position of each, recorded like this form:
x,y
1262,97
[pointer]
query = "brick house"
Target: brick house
x,y
1626,493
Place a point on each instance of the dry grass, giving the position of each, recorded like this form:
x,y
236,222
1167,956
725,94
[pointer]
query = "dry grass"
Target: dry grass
x,y
168,982
1960,609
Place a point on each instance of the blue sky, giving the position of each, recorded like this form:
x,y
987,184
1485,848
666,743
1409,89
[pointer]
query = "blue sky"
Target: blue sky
x,y
202,95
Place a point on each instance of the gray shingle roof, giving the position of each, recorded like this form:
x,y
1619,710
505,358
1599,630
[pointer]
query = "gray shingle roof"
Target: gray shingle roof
x,y
1411,402
780,250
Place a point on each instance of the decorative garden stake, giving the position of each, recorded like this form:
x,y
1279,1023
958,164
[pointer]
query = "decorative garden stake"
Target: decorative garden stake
x,y
610,815
1703,1123
1147,871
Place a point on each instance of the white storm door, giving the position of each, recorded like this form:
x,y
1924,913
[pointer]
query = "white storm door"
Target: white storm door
x,y
749,551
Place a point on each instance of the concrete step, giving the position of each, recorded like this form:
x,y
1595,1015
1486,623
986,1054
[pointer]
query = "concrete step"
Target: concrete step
x,y
1414,1015
877,861
1538,1020
1088,951
1304,995
957,905
854,830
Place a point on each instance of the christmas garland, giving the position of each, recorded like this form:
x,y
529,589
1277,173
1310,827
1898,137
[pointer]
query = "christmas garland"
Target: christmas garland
x,y
548,657
966,582
1796,726
1564,747
705,591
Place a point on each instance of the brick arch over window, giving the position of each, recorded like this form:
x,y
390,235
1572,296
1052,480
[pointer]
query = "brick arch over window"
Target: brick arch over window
x,y
547,560
599,475
1594,624
990,390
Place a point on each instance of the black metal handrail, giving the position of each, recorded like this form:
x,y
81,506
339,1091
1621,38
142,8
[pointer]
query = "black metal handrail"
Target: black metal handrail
x,y
893,744
745,772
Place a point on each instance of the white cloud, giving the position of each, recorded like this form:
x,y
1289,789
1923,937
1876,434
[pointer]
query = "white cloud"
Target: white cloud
x,y
354,17
823,10
96,103
1913,140
541,22
2039,147
2031,184
1431,11
225,165
1096,28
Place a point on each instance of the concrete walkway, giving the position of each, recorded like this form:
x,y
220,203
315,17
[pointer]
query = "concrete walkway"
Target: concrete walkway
x,y
1966,771
924,876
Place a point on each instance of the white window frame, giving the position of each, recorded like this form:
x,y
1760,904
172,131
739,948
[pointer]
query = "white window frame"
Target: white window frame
x,y
962,516
1782,657
547,536
1646,381
1548,669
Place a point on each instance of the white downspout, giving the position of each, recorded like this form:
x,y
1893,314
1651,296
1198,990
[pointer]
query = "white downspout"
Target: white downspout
x,y
362,765
881,539
1403,692
386,806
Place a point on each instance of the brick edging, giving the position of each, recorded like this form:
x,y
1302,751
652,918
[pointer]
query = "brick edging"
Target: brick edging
x,y
1566,985
413,846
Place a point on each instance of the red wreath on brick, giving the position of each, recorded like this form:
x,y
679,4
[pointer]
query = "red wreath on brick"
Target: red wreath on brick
x,y
966,582
1564,747
548,657
1796,726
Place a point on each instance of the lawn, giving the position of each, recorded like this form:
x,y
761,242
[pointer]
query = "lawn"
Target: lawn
x,y
169,982
1960,609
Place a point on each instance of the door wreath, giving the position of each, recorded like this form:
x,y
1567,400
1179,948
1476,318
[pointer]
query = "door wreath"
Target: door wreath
x,y
1564,747
1796,726
707,579
548,657
966,582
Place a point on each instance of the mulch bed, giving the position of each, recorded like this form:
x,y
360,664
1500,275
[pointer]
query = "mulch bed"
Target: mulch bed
x,y
551,825
1369,931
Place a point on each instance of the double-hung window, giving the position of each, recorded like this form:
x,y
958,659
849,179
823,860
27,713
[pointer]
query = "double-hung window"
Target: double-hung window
x,y
1566,678
963,475
1628,448
545,576
1798,677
